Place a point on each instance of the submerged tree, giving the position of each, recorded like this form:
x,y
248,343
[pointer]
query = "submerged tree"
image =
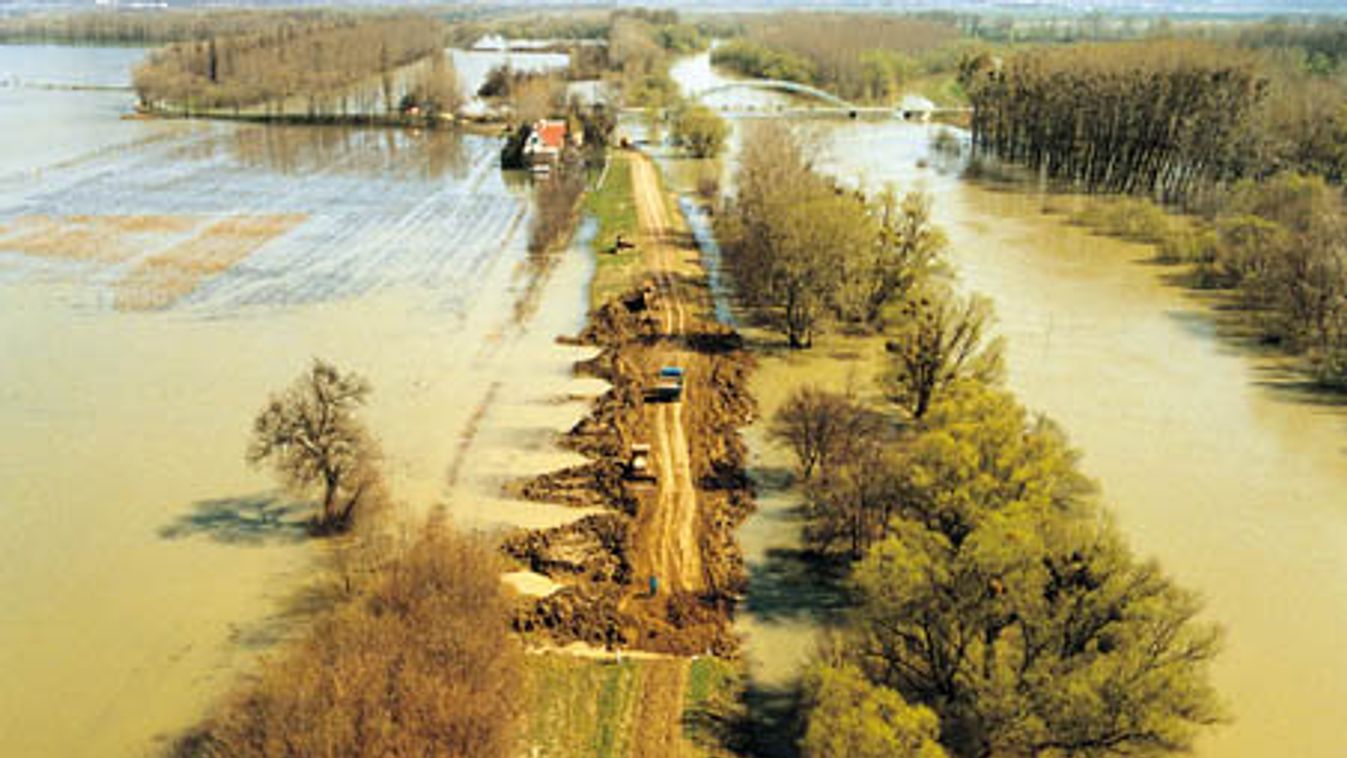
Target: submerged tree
x,y
700,131
1004,600
1158,117
311,437
790,231
940,339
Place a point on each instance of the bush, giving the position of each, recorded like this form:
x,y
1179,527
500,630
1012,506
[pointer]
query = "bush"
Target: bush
x,y
418,663
701,131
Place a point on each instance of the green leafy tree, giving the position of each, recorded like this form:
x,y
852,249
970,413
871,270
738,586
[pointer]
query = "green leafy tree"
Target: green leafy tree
x,y
907,250
850,716
701,131
939,339
1005,602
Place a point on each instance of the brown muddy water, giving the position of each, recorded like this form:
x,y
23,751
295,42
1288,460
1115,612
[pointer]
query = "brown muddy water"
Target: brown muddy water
x,y
143,566
1212,461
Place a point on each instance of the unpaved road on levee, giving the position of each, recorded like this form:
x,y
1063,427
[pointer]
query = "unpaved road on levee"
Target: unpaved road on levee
x,y
666,535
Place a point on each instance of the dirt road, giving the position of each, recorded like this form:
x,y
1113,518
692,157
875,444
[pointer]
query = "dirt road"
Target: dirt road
x,y
680,528
665,536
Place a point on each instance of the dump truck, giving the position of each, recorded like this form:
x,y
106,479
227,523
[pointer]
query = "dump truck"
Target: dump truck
x,y
668,386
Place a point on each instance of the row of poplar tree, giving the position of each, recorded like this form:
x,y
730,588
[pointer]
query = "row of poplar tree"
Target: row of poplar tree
x,y
308,62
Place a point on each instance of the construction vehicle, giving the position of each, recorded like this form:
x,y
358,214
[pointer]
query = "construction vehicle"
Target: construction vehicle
x,y
638,464
669,386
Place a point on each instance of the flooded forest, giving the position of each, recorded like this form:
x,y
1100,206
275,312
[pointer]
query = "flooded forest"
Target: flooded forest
x,y
479,381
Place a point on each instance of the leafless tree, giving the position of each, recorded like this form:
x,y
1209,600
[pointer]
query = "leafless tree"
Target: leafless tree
x,y
312,438
823,427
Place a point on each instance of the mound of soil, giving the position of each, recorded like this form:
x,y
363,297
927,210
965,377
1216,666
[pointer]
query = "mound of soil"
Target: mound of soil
x,y
604,603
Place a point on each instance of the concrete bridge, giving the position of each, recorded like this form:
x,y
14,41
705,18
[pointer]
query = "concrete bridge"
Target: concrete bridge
x,y
912,108
779,85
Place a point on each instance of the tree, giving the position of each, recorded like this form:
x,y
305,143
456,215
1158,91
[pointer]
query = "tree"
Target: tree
x,y
418,662
849,716
701,131
823,427
851,505
1031,637
788,232
906,251
314,442
1004,600
979,450
436,90
1155,117
940,339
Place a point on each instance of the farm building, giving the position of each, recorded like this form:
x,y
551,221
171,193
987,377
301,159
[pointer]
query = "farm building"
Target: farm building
x,y
545,143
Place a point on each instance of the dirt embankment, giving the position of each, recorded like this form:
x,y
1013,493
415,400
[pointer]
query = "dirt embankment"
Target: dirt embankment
x,y
678,528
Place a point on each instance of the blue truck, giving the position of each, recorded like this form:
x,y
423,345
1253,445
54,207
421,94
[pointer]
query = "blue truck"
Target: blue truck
x,y
669,385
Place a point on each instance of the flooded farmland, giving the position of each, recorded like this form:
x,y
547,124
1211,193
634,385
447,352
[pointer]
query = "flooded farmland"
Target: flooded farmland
x,y
157,281
1212,462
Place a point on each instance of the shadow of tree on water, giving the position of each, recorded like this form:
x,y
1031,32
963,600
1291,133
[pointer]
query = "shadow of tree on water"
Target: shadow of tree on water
x,y
251,520
792,584
772,728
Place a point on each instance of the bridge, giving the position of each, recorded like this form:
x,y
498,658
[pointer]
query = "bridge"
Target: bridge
x,y
912,108
779,85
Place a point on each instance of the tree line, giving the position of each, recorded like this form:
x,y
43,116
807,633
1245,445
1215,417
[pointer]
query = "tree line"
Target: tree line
x,y
1323,43
126,27
994,608
1160,117
1171,117
808,253
1279,245
315,63
859,58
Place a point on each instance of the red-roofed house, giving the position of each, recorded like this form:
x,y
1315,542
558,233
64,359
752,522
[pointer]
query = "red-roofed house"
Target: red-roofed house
x,y
545,143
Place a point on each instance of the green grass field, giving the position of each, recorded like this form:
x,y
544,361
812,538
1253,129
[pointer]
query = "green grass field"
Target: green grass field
x,y
614,207
588,707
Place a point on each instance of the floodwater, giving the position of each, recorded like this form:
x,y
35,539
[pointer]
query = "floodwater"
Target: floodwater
x,y
1212,463
143,566
473,66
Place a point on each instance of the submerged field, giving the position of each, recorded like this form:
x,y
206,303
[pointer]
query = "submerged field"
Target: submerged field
x,y
157,282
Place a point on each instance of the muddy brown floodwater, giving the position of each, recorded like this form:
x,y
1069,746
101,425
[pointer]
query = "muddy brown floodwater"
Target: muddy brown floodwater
x,y
1235,482
143,566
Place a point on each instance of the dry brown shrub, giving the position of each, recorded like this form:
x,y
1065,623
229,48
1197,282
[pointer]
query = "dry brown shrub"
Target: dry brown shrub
x,y
163,279
417,663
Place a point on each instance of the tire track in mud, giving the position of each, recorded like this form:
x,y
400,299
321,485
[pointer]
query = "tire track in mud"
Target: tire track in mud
x,y
679,526
666,540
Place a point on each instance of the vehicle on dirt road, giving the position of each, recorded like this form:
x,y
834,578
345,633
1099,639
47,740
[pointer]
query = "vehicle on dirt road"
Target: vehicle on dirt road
x,y
668,386
638,464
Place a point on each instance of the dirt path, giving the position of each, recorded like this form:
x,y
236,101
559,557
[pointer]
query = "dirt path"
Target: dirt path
x,y
665,536
678,525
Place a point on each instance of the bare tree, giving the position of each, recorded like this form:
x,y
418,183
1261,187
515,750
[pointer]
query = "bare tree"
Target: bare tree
x,y
940,339
823,428
313,440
